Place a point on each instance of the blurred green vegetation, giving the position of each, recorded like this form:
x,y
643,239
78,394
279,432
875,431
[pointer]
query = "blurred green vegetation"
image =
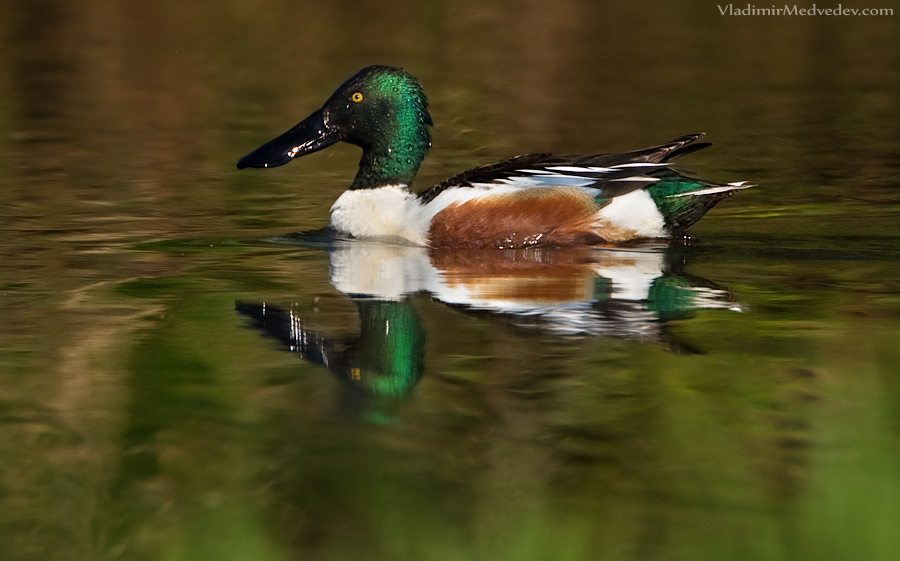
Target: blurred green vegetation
x,y
778,441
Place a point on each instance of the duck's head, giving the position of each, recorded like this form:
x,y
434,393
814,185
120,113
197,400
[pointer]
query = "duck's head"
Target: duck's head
x,y
381,109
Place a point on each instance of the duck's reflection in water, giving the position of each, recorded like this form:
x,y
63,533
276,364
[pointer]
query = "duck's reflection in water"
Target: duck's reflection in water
x,y
384,360
624,293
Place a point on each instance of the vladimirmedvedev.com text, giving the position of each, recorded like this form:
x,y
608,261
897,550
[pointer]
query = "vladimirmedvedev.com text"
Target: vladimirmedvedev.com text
x,y
795,10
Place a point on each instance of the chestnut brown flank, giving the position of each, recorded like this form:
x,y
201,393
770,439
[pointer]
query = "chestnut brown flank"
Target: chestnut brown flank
x,y
536,216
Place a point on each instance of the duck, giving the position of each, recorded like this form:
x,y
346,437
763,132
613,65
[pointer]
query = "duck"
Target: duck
x,y
525,201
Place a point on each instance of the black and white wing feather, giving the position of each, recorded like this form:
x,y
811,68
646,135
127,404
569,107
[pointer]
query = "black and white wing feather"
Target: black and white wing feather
x,y
604,175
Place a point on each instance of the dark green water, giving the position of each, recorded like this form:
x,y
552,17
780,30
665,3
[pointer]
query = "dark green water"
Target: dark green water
x,y
736,398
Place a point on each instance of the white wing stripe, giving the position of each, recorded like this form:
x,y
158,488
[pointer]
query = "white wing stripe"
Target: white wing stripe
x,y
574,169
642,178
713,190
640,165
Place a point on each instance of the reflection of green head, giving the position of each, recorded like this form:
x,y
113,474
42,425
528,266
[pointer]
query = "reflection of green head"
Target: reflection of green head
x,y
388,357
385,360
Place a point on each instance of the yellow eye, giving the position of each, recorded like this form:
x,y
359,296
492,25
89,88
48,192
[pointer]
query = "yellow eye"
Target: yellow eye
x,y
357,97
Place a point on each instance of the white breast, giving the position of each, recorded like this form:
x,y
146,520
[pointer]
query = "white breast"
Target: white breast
x,y
393,213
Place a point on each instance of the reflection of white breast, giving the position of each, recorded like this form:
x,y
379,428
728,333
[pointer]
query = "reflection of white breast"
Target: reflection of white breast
x,y
382,271
504,281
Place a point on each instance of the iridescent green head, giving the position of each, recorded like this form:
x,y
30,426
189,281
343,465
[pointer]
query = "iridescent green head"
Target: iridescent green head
x,y
381,109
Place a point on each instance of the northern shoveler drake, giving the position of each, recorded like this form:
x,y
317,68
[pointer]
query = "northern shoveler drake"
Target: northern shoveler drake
x,y
529,200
